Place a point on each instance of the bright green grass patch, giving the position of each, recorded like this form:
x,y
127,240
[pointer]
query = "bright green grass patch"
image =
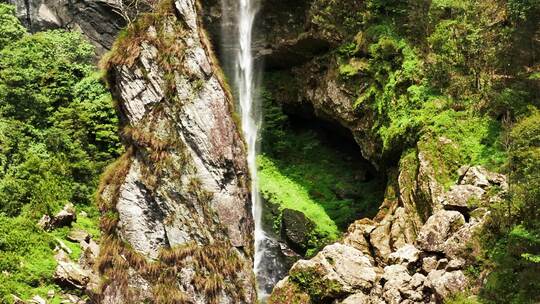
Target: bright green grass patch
x,y
318,179
27,261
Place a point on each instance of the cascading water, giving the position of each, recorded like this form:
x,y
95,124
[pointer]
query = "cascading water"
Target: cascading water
x,y
245,84
238,17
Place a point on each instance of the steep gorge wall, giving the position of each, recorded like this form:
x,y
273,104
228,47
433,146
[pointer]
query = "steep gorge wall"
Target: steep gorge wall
x,y
176,206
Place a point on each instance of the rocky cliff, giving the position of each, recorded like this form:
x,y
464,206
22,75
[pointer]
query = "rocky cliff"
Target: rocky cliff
x,y
176,210
386,260
98,20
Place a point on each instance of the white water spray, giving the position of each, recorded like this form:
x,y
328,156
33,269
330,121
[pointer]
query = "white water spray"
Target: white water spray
x,y
238,18
245,84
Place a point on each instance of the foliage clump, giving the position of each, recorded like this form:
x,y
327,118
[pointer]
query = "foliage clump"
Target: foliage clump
x,y
57,133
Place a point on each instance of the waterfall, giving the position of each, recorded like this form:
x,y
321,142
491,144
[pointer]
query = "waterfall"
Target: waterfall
x,y
238,17
249,111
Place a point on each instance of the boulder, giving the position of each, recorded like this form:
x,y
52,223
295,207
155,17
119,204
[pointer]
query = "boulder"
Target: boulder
x,y
396,280
481,177
455,264
444,283
72,275
78,236
279,259
63,218
296,229
38,300
456,245
380,240
405,255
338,270
438,228
358,298
358,235
90,253
462,197
17,300
429,264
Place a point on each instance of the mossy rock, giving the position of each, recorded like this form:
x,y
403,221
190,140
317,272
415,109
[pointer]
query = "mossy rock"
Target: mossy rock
x,y
296,230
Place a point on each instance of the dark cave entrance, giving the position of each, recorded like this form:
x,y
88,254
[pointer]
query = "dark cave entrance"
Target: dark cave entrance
x,y
316,167
314,183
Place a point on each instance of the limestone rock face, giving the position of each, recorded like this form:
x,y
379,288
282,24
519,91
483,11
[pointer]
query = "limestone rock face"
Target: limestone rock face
x,y
180,193
98,20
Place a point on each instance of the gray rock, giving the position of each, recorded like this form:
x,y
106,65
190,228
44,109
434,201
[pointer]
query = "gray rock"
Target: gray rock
x,y
342,266
38,300
417,281
17,300
358,235
296,230
429,264
462,197
442,263
480,177
63,218
98,20
185,176
445,284
358,298
71,274
78,236
455,264
438,228
405,255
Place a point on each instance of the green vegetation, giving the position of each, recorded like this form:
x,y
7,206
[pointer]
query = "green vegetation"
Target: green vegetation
x,y
57,132
458,80
302,169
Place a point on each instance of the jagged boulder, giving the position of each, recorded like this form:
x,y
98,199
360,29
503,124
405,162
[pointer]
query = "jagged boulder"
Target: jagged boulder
x,y
480,177
445,283
72,275
357,298
336,271
406,255
438,229
462,198
358,236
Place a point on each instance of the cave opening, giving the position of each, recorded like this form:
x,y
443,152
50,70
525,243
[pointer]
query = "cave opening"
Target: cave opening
x,y
314,183
315,167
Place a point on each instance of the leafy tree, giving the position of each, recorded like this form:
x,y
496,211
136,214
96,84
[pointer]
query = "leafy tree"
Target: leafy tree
x,y
10,28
